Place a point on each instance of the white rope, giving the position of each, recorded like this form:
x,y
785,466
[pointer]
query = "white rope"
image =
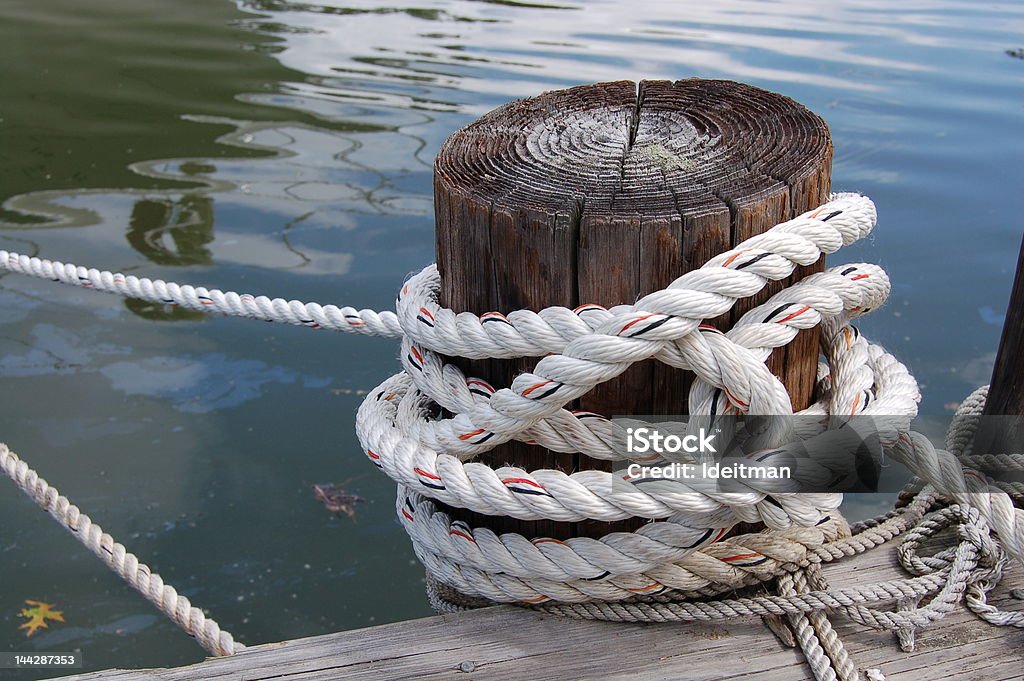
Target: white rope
x,y
137,574
347,319
590,344
431,457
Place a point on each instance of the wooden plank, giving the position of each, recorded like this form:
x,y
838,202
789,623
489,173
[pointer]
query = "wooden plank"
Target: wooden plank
x,y
510,644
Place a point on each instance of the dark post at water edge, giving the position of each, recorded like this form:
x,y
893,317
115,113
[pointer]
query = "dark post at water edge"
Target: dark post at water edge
x,y
1006,393
606,192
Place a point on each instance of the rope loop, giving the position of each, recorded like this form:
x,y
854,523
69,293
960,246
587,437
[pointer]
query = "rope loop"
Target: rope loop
x,y
425,426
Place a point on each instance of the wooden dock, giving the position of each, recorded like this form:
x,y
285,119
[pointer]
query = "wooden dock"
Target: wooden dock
x,y
509,644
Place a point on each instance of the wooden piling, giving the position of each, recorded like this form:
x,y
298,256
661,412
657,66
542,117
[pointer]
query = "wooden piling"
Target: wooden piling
x,y
604,193
1006,389
1006,392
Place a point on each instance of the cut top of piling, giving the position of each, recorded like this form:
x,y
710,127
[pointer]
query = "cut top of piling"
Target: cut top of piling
x,y
656,148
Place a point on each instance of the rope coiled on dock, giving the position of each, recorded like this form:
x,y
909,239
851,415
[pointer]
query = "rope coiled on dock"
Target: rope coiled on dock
x,y
651,574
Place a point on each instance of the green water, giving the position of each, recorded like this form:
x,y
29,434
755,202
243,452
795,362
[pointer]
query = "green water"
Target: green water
x,y
286,148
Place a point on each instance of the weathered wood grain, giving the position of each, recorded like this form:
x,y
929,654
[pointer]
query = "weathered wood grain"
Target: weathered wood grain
x,y
511,644
604,193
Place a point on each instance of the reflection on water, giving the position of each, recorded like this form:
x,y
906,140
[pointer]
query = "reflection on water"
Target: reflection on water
x,y
286,148
173,232
201,384
191,384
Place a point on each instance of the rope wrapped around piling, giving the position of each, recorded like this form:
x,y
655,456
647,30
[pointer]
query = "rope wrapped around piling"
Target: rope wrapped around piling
x,y
425,426
688,552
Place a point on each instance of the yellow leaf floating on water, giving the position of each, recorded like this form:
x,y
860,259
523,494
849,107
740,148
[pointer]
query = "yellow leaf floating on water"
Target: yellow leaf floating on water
x,y
37,615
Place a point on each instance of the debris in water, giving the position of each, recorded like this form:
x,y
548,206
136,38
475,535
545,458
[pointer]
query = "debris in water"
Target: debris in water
x,y
37,615
337,500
